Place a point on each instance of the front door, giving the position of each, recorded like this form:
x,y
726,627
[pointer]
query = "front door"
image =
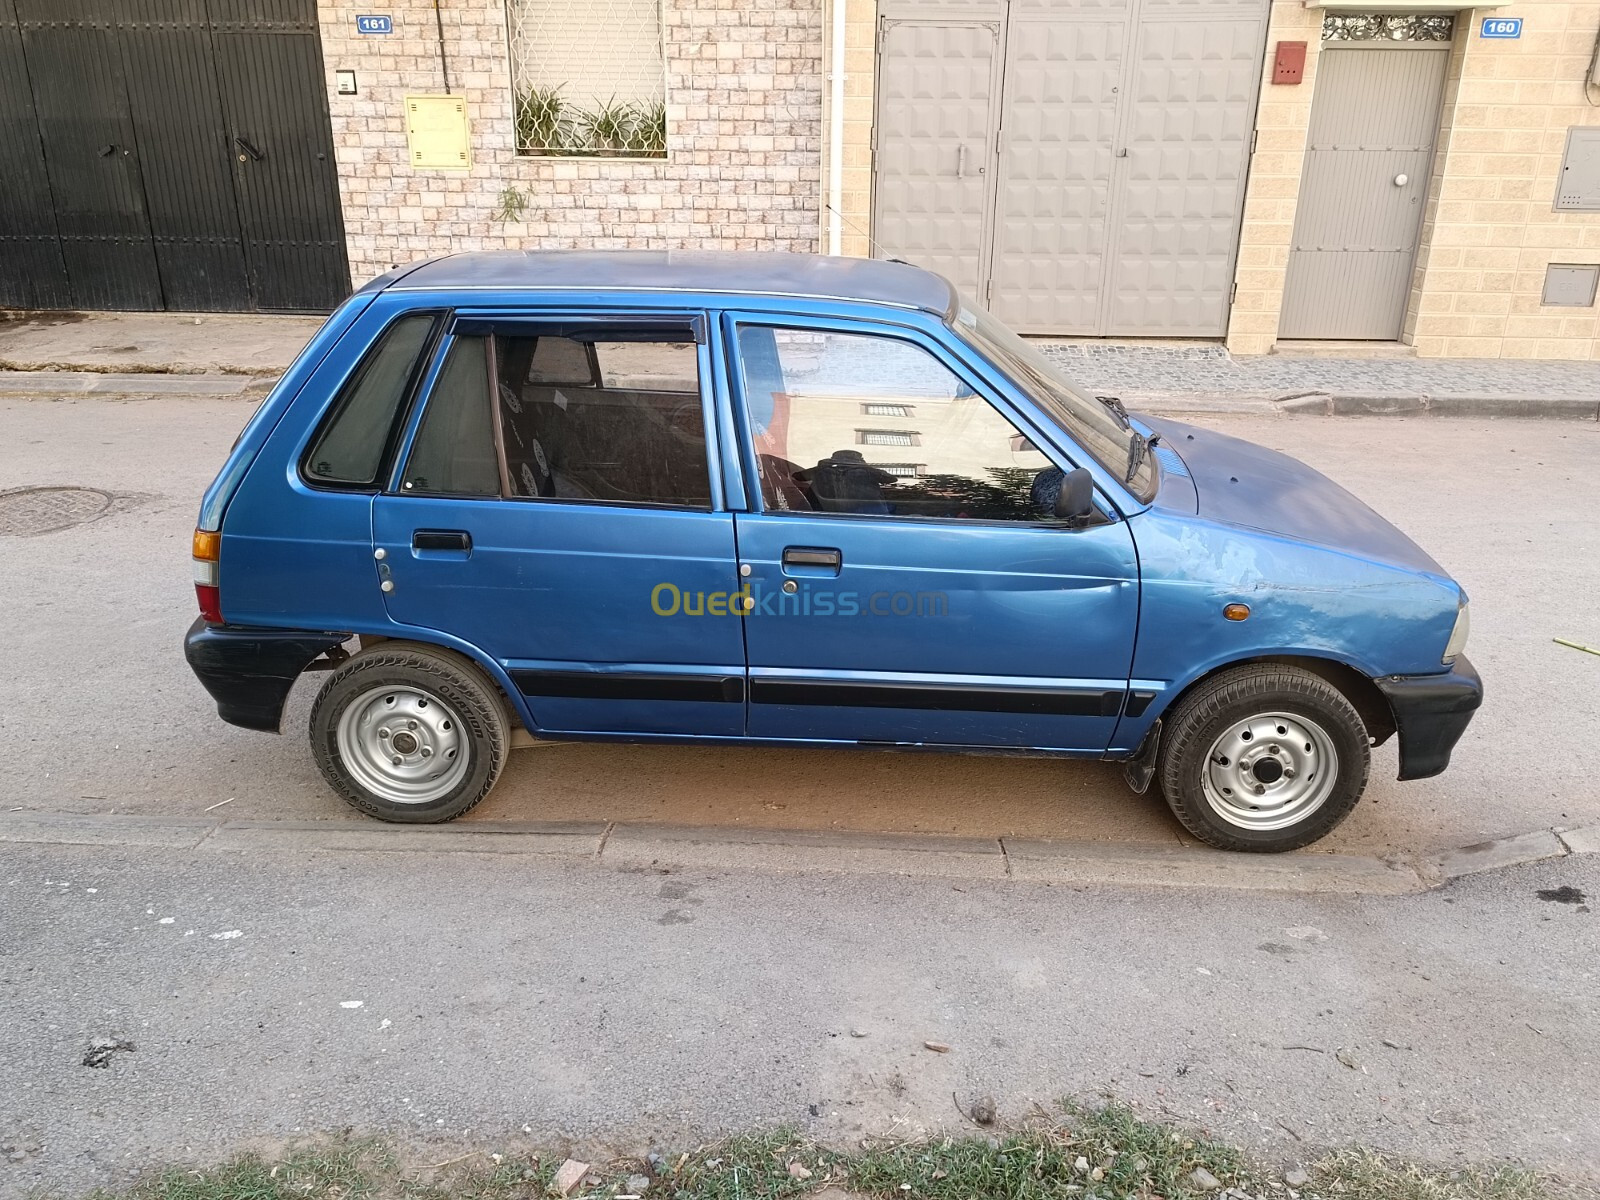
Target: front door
x,y
1369,153
906,581
556,495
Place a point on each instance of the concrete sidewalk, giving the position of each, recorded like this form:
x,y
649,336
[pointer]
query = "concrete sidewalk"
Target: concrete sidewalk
x,y
1206,378
237,354
152,343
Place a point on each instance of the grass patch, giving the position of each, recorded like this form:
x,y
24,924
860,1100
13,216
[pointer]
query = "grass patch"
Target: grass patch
x,y
1360,1174
1088,1154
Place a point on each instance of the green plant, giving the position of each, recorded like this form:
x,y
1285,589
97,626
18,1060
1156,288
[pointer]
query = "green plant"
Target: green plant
x,y
650,125
610,126
512,204
544,122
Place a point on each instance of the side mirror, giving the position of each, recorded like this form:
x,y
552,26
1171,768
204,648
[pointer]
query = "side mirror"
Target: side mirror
x,y
1075,500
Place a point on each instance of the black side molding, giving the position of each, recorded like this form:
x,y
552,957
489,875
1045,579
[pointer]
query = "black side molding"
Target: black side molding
x,y
952,698
249,671
630,685
1431,712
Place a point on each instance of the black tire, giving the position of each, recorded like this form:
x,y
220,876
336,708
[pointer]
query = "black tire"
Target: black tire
x,y
1225,703
467,708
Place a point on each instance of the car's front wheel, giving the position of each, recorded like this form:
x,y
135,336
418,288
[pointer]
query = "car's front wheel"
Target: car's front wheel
x,y
1266,757
409,733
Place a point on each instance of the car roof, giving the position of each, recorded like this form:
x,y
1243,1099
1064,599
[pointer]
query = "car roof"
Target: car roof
x,y
750,273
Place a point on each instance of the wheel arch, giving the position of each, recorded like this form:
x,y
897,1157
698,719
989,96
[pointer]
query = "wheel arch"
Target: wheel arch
x,y
1362,693
492,672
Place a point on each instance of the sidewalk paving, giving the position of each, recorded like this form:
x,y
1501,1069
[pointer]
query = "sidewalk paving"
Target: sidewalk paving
x,y
1203,369
154,343
229,354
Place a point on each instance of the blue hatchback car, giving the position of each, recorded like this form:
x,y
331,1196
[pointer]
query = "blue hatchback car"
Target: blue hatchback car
x,y
688,497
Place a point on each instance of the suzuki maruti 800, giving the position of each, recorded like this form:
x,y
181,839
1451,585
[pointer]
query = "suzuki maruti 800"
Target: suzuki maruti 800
x,y
786,499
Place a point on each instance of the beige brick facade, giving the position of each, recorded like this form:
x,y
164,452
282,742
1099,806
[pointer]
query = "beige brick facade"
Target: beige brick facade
x,y
744,138
860,74
1489,229
1282,116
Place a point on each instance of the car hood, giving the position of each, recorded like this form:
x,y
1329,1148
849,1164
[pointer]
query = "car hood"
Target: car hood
x,y
1243,484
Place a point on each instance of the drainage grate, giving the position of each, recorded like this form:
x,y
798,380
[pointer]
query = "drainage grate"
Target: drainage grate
x,y
31,511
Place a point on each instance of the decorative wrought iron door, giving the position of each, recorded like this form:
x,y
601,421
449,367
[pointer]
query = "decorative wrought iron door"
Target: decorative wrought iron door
x,y
166,154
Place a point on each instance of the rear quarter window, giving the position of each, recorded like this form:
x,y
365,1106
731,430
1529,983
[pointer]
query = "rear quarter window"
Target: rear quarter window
x,y
350,447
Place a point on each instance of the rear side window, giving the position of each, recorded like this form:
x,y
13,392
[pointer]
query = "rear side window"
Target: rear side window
x,y
610,415
454,453
349,449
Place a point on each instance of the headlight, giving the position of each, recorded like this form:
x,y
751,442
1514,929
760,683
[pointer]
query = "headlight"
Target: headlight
x,y
1458,635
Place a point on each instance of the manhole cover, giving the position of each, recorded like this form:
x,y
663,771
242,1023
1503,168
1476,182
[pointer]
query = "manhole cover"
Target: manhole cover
x,y
44,510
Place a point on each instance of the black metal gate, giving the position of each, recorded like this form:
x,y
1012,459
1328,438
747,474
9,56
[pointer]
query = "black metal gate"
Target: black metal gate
x,y
166,154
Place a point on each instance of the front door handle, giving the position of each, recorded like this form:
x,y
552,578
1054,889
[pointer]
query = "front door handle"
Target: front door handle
x,y
441,539
808,556
248,149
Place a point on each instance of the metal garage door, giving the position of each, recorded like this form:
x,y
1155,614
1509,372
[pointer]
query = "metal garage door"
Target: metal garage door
x,y
1118,147
166,154
939,90
1369,152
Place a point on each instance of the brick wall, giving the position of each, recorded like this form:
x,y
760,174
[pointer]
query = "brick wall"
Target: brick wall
x,y
860,70
744,125
1283,115
1489,229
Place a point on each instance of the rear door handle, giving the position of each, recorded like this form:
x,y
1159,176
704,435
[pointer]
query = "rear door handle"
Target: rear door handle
x,y
441,539
808,556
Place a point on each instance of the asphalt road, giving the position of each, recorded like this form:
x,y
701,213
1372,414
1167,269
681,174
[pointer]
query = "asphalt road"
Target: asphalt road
x,y
455,998
101,713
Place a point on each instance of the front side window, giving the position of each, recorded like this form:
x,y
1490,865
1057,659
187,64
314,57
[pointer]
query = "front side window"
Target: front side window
x,y
603,415
957,458
1091,424
349,448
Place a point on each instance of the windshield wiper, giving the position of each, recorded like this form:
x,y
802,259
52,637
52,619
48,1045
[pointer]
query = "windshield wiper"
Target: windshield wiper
x,y
1138,447
1114,403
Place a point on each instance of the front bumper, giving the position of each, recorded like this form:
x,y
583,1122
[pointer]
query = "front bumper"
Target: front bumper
x,y
249,671
1431,712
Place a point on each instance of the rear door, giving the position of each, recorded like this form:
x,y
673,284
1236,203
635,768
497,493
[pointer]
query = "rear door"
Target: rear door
x,y
556,507
907,582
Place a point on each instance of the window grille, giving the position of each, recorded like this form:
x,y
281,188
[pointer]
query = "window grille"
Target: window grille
x,y
887,437
900,470
1387,27
886,410
588,77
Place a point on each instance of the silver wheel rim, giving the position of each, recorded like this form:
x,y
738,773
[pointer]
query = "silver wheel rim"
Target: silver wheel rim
x,y
1270,771
402,744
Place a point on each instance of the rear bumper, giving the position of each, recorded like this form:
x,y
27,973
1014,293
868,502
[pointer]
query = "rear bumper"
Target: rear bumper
x,y
1431,712
249,671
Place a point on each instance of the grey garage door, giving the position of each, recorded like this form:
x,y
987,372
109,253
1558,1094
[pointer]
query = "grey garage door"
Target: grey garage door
x,y
1111,178
1369,152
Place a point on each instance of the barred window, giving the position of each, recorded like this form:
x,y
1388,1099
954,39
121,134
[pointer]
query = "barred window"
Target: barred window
x,y
588,77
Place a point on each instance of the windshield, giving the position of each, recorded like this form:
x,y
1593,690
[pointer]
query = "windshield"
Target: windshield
x,y
1089,422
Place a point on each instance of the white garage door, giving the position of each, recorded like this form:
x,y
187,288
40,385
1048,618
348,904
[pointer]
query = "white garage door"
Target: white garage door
x,y
1117,148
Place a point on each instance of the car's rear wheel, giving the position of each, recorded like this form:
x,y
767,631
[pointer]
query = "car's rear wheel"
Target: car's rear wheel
x,y
1265,758
409,733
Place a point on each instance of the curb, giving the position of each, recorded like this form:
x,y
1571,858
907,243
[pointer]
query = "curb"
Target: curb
x,y
646,847
109,384
1403,404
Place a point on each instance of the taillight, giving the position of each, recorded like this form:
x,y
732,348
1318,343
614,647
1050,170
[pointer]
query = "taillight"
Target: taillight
x,y
207,575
